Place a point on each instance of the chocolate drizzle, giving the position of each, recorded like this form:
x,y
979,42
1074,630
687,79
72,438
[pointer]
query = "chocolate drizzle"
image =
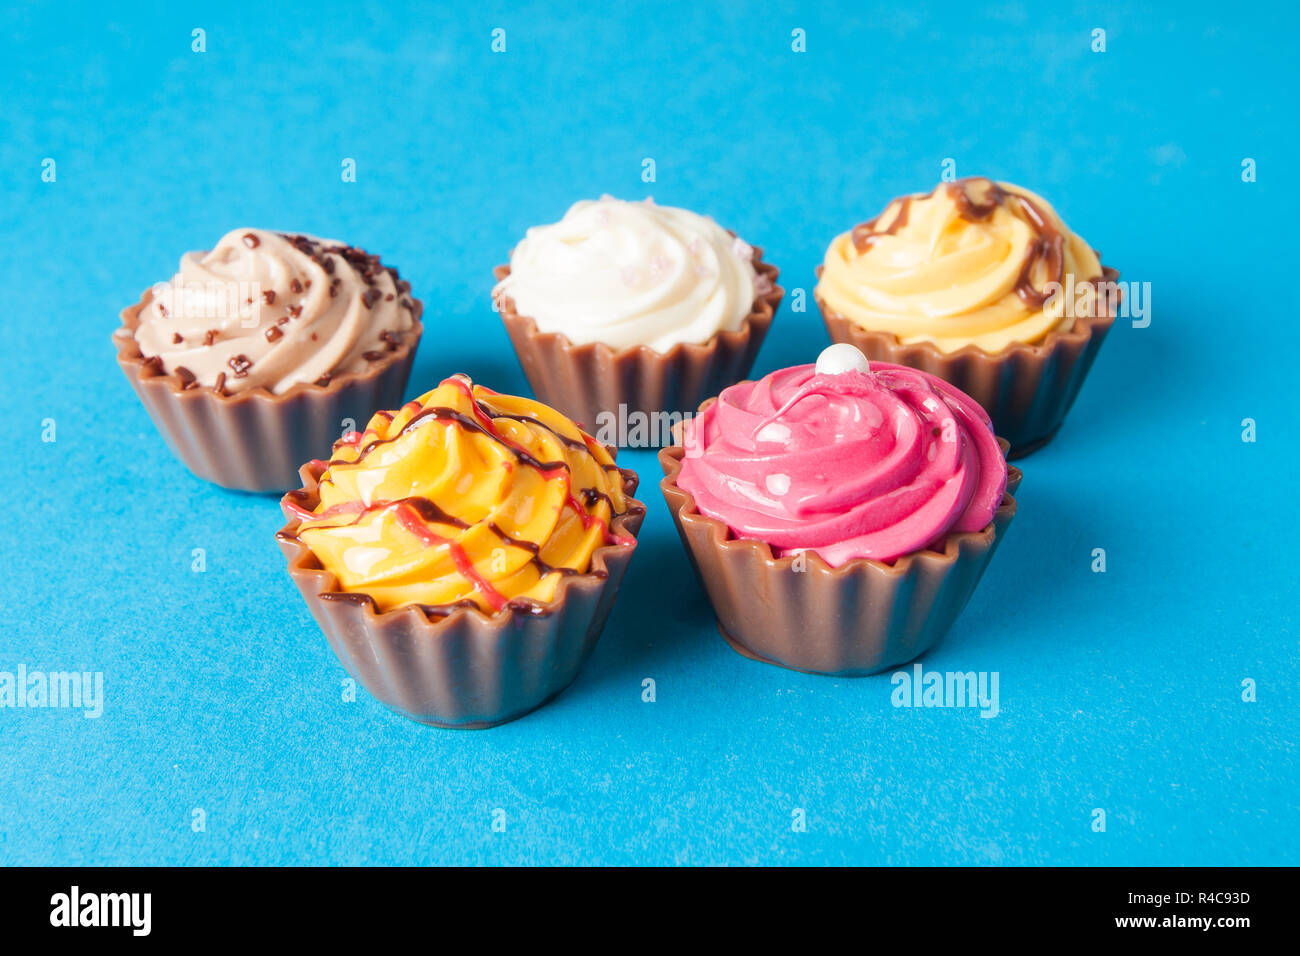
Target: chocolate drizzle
x,y
969,208
519,605
349,597
432,513
534,549
574,443
865,234
1048,248
443,413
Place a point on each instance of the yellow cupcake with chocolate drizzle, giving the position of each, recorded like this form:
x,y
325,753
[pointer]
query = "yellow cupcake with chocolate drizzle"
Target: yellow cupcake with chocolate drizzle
x,y
972,263
463,496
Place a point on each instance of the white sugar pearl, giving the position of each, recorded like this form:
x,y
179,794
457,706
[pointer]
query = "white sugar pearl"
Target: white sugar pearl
x,y
839,358
778,484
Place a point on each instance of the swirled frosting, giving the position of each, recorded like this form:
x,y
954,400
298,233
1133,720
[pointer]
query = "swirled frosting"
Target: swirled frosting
x,y
273,310
874,464
631,273
462,496
972,263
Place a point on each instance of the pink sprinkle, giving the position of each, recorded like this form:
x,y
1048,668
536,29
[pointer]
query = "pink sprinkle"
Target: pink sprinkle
x,y
742,250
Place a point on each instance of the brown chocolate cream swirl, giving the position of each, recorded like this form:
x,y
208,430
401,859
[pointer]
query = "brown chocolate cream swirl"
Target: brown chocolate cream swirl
x,y
272,310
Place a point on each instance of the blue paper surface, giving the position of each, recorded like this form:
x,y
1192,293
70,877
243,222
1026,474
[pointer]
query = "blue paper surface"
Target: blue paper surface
x,y
224,736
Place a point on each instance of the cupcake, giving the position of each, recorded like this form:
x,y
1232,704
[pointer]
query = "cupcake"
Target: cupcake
x,y
625,315
258,354
462,553
983,285
839,515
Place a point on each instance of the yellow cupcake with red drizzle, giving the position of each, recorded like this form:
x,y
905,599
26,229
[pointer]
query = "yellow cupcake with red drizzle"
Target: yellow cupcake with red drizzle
x,y
462,497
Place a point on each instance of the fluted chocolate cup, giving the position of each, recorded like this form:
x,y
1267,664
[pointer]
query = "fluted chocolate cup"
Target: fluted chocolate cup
x,y
798,612
1026,389
253,439
582,381
463,669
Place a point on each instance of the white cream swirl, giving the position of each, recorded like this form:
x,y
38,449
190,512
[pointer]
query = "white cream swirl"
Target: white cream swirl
x,y
273,310
631,273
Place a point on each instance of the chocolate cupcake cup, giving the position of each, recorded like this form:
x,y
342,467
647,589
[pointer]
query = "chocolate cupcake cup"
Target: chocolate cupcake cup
x,y
584,380
254,440
860,618
467,670
1026,389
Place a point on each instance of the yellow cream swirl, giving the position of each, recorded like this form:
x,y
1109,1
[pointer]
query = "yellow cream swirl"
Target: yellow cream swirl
x,y
463,496
972,263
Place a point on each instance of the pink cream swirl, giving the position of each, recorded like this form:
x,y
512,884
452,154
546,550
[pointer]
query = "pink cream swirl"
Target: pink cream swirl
x,y
851,465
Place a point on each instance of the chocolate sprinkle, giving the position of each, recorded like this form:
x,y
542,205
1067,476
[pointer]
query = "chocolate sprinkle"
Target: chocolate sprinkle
x,y
251,240
273,334
295,311
371,297
372,356
209,336
186,377
240,364
269,296
220,386
295,286
176,339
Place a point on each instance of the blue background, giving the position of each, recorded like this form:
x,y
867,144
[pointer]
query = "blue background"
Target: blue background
x,y
1120,691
